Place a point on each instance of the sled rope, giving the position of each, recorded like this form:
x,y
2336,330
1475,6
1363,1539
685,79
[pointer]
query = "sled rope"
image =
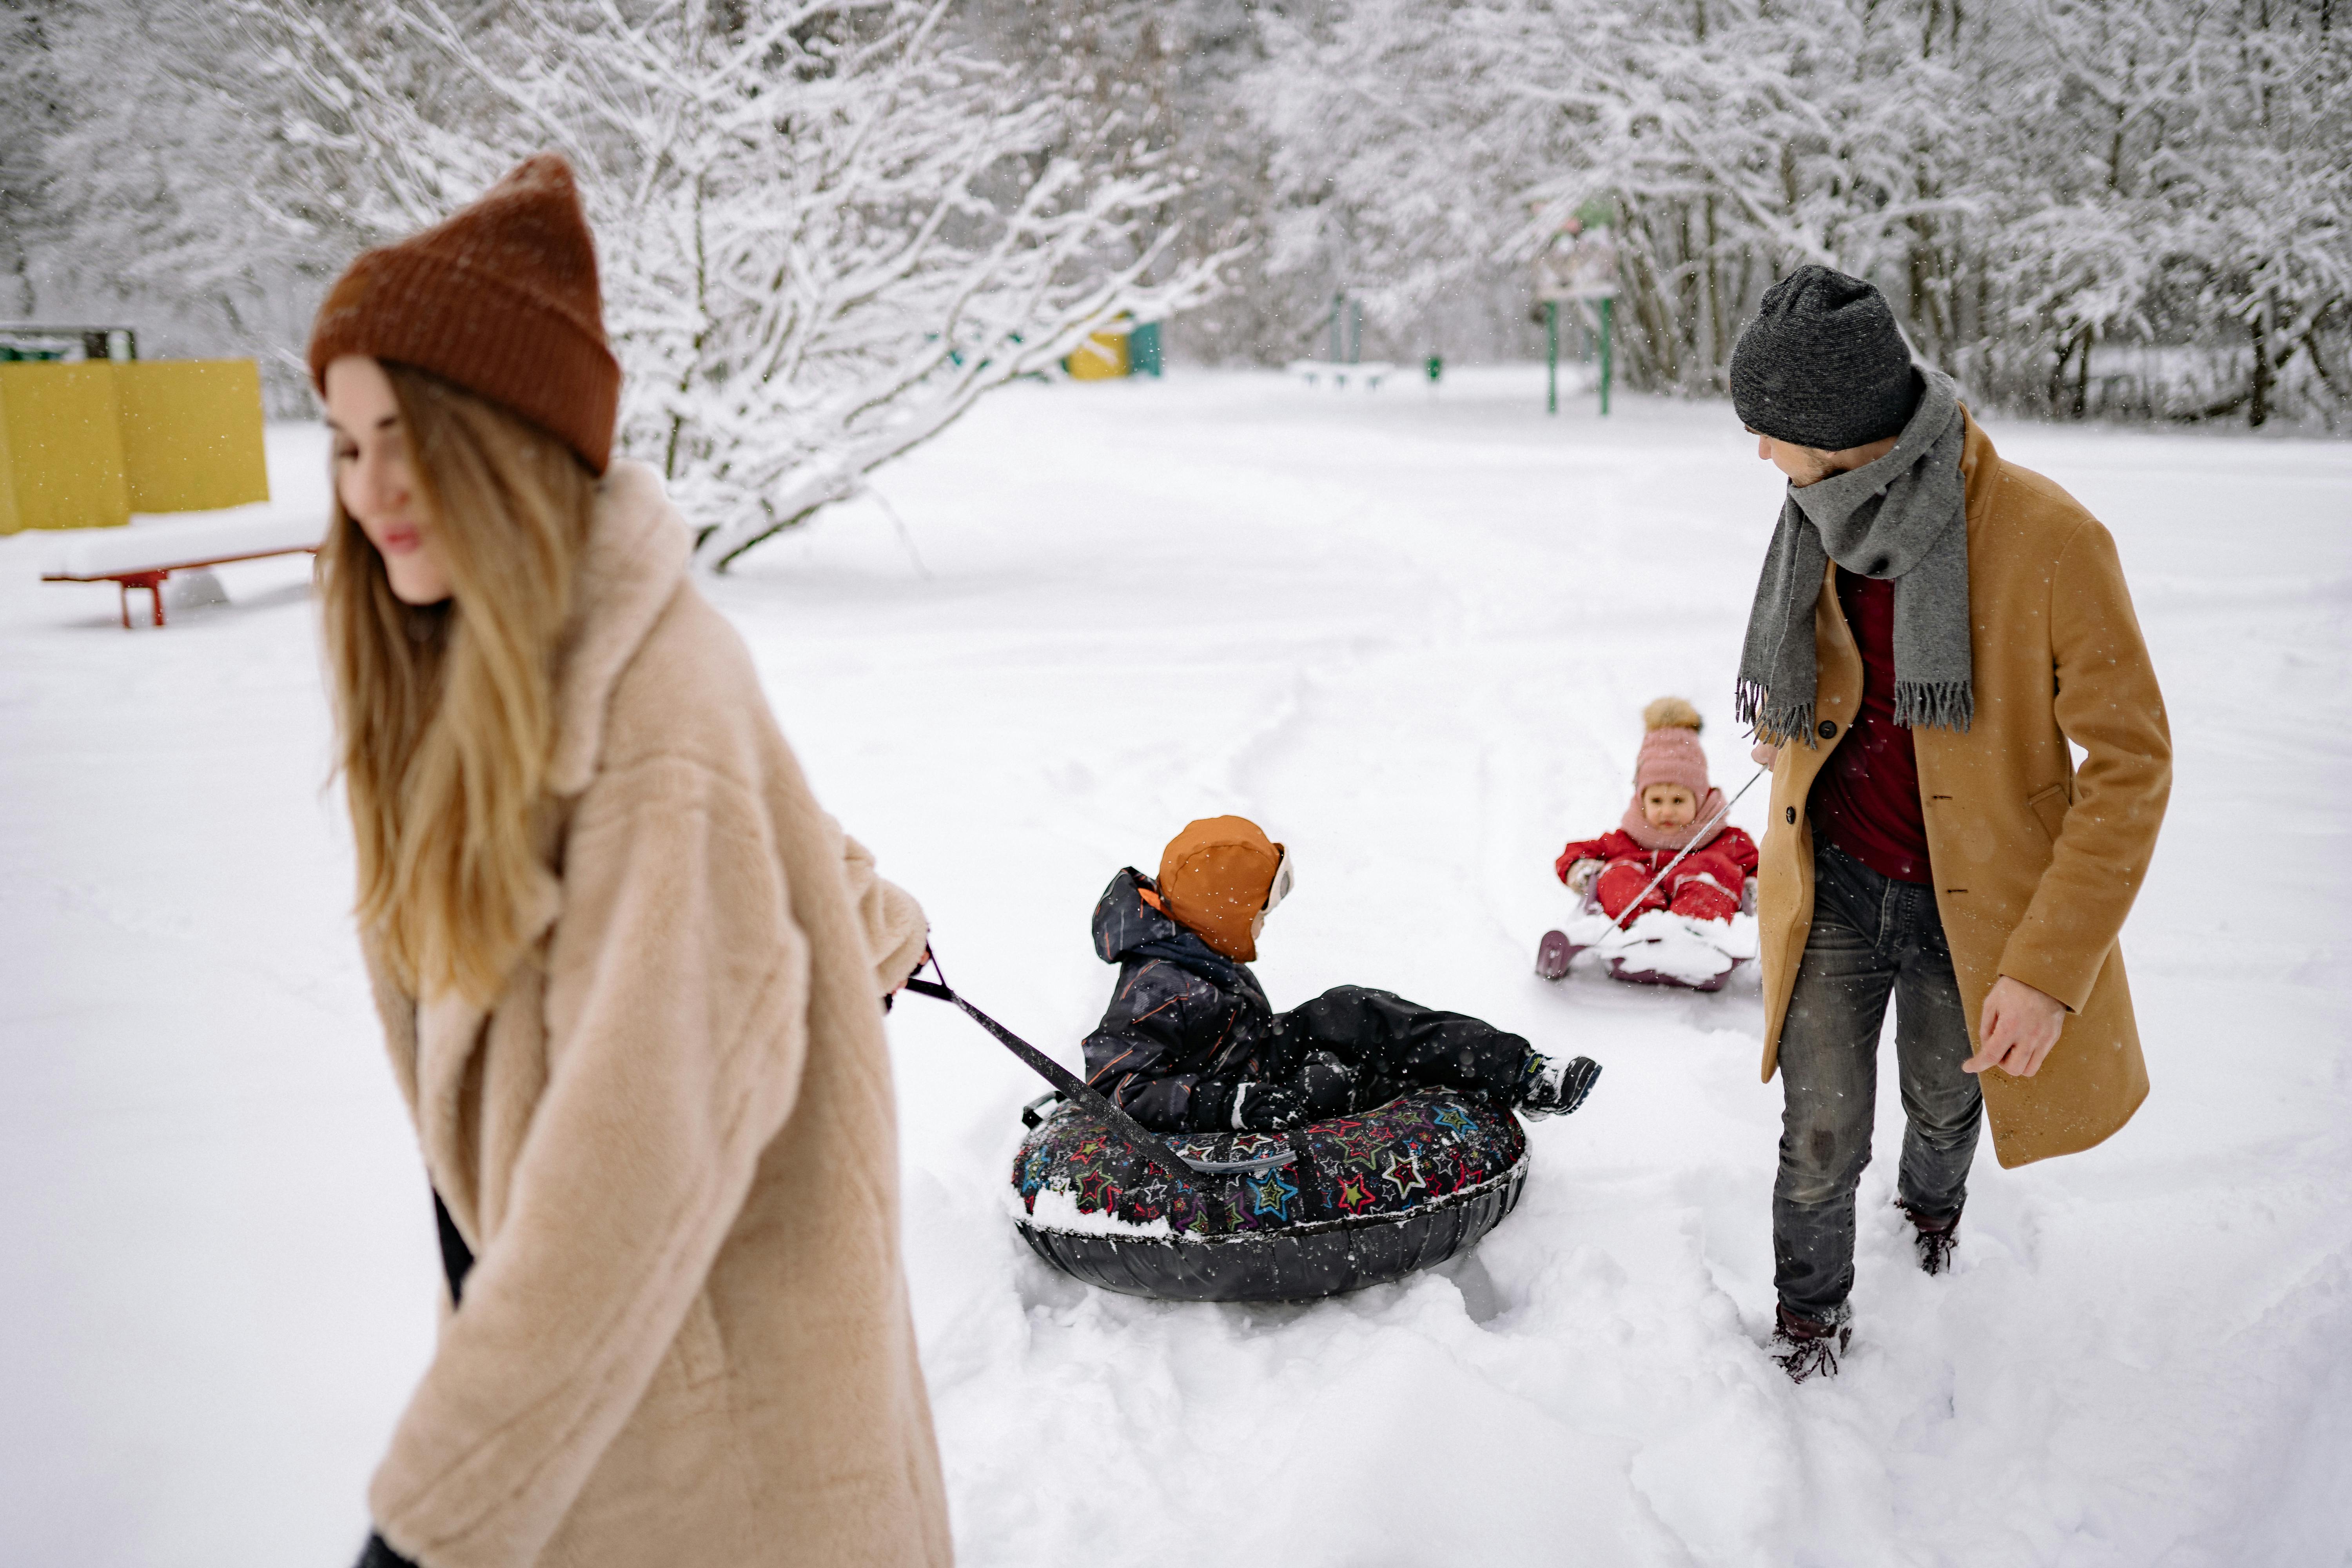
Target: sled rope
x,y
1712,823
1175,1166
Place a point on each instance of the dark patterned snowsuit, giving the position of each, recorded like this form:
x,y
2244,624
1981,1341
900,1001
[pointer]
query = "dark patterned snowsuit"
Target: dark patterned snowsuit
x,y
1187,1026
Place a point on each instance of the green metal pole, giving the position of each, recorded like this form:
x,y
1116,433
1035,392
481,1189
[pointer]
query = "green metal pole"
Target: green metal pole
x,y
1551,357
1605,304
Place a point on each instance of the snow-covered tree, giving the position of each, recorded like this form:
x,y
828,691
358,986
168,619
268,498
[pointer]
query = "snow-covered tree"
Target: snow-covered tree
x,y
2032,184
825,229
163,200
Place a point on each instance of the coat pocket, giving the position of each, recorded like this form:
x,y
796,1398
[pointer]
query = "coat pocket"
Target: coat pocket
x,y
2049,809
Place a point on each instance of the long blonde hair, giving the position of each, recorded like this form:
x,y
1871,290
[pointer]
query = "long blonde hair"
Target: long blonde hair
x,y
446,713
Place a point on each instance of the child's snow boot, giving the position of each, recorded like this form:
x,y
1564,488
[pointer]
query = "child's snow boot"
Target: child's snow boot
x,y
1810,1347
1554,1086
1933,1238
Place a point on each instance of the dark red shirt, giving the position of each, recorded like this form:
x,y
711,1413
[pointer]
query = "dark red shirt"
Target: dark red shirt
x,y
1867,801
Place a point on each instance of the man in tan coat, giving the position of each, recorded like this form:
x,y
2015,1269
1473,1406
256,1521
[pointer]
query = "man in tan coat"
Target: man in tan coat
x,y
1933,627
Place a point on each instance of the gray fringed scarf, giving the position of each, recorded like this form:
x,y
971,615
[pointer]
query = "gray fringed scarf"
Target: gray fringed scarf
x,y
1901,517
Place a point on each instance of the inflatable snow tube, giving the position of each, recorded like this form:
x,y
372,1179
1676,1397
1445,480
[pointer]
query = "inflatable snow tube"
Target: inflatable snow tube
x,y
1332,1206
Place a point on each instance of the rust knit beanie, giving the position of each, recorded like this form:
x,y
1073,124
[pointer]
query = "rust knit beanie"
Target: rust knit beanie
x,y
500,299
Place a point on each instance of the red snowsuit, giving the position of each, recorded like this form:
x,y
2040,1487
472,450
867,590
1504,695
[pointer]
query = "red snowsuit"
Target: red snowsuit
x,y
1705,886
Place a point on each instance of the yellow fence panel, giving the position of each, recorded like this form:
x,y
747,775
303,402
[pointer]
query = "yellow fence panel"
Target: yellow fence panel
x,y
65,447
1102,357
192,434
85,446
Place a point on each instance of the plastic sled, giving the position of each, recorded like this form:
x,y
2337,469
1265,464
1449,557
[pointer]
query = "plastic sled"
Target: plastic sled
x,y
1657,948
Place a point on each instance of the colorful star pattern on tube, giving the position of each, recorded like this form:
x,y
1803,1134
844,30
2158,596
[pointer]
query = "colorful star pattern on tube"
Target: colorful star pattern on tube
x,y
1361,1140
1270,1193
1355,1192
1455,1119
1398,1169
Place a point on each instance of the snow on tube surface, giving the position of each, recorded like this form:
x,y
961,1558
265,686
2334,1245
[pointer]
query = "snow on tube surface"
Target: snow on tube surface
x,y
1335,1205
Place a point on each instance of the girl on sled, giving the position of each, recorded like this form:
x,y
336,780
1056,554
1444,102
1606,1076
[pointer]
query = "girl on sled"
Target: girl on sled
x,y
1673,808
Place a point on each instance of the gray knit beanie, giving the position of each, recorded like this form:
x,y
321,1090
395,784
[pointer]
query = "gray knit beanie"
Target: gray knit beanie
x,y
1824,364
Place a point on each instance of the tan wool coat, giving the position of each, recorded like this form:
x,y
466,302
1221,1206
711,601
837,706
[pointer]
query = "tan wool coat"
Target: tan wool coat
x,y
671,1145
2035,862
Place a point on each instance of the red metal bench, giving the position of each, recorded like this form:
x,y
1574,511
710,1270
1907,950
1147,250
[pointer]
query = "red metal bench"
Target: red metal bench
x,y
152,578
145,555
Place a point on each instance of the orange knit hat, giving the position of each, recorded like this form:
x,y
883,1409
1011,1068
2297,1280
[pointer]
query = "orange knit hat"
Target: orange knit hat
x,y
501,299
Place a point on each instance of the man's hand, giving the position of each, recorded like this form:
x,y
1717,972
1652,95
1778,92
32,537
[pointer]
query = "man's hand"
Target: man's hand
x,y
2020,1026
1763,753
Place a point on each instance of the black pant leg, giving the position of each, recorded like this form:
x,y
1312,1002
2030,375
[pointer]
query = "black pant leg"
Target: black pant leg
x,y
1396,1044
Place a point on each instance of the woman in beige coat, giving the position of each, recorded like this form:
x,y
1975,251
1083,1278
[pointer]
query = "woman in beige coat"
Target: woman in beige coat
x,y
631,974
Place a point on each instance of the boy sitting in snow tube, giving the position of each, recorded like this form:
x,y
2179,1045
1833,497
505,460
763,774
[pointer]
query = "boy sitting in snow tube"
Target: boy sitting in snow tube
x,y
1672,800
1189,1043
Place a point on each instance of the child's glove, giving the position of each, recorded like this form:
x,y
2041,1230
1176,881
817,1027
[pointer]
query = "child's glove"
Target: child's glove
x,y
1580,876
1267,1107
1327,1084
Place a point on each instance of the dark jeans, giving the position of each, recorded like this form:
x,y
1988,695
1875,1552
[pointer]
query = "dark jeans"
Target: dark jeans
x,y
1871,936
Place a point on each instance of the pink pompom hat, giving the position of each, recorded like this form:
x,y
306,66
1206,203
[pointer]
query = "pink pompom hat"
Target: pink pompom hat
x,y
1671,753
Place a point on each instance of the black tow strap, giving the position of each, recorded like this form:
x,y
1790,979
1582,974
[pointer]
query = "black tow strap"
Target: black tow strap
x,y
1061,1077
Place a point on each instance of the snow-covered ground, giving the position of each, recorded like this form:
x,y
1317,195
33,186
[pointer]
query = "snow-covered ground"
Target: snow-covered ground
x,y
1412,636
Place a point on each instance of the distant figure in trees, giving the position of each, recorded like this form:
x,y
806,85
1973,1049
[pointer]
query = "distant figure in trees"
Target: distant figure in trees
x,y
1933,627
1189,1043
1673,809
630,972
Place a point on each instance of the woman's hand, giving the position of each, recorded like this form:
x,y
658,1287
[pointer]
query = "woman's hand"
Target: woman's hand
x,y
891,996
2020,1026
1763,753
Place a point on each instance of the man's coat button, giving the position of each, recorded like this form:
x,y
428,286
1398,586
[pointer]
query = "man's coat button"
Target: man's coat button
x,y
1828,728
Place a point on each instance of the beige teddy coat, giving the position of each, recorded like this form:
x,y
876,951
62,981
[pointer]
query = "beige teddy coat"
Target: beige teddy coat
x,y
670,1145
2036,862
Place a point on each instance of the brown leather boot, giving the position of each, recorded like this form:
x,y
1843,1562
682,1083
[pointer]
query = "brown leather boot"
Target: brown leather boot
x,y
1808,1347
1933,1238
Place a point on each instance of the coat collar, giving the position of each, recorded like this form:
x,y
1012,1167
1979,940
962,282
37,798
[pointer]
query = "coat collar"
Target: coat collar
x,y
637,551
